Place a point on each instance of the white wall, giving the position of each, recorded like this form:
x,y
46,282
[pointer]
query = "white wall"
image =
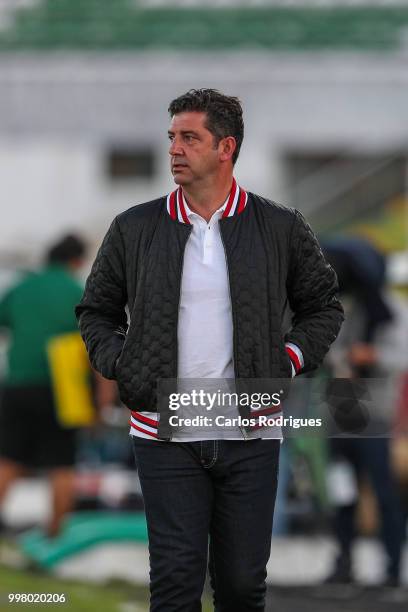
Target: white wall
x,y
60,113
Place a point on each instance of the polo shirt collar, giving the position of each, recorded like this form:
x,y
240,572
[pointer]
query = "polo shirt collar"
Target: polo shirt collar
x,y
178,209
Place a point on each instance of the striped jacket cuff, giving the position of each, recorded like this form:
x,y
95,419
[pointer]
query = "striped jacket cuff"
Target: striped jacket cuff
x,y
296,357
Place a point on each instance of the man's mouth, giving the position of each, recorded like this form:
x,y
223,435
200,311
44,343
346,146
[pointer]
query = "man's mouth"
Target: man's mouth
x,y
179,166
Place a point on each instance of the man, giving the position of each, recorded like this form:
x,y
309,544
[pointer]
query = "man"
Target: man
x,y
36,309
361,352
206,273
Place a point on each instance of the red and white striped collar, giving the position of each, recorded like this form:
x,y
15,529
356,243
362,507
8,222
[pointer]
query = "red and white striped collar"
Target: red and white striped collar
x,y
234,205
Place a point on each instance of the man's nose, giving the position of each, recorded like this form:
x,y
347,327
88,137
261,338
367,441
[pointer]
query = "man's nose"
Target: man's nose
x,y
175,147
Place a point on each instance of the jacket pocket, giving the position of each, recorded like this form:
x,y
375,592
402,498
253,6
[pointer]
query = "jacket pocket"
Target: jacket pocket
x,y
119,359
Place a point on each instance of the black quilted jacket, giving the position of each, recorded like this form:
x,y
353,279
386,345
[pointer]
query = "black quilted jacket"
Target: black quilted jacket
x,y
273,259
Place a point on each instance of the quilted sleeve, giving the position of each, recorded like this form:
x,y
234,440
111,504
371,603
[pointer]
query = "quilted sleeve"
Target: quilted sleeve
x,y
312,293
101,312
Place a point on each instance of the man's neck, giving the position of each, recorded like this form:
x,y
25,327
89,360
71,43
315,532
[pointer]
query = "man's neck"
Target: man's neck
x,y
205,199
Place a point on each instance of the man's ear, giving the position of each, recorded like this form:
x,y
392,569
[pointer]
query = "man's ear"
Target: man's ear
x,y
227,147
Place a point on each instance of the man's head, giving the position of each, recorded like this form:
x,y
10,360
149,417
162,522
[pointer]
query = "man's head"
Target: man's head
x,y
69,251
206,131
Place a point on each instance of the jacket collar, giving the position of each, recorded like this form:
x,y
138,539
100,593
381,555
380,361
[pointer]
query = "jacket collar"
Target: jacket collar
x,y
234,204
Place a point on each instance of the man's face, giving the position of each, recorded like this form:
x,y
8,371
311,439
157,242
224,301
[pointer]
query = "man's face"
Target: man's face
x,y
193,152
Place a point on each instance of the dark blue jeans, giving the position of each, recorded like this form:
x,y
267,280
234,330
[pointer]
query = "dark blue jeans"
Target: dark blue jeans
x,y
224,490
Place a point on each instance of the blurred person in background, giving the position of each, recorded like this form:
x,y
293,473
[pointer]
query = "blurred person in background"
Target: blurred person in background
x,y
206,273
362,351
36,309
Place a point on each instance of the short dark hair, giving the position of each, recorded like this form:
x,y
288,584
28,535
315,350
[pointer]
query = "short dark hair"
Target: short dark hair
x,y
224,113
70,247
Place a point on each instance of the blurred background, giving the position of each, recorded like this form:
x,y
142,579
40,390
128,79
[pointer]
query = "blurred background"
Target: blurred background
x,y
84,91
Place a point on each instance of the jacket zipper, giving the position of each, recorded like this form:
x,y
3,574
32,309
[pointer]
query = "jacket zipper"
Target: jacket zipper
x,y
234,337
181,267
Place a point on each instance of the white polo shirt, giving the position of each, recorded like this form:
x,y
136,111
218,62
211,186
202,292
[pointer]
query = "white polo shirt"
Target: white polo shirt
x,y
205,331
